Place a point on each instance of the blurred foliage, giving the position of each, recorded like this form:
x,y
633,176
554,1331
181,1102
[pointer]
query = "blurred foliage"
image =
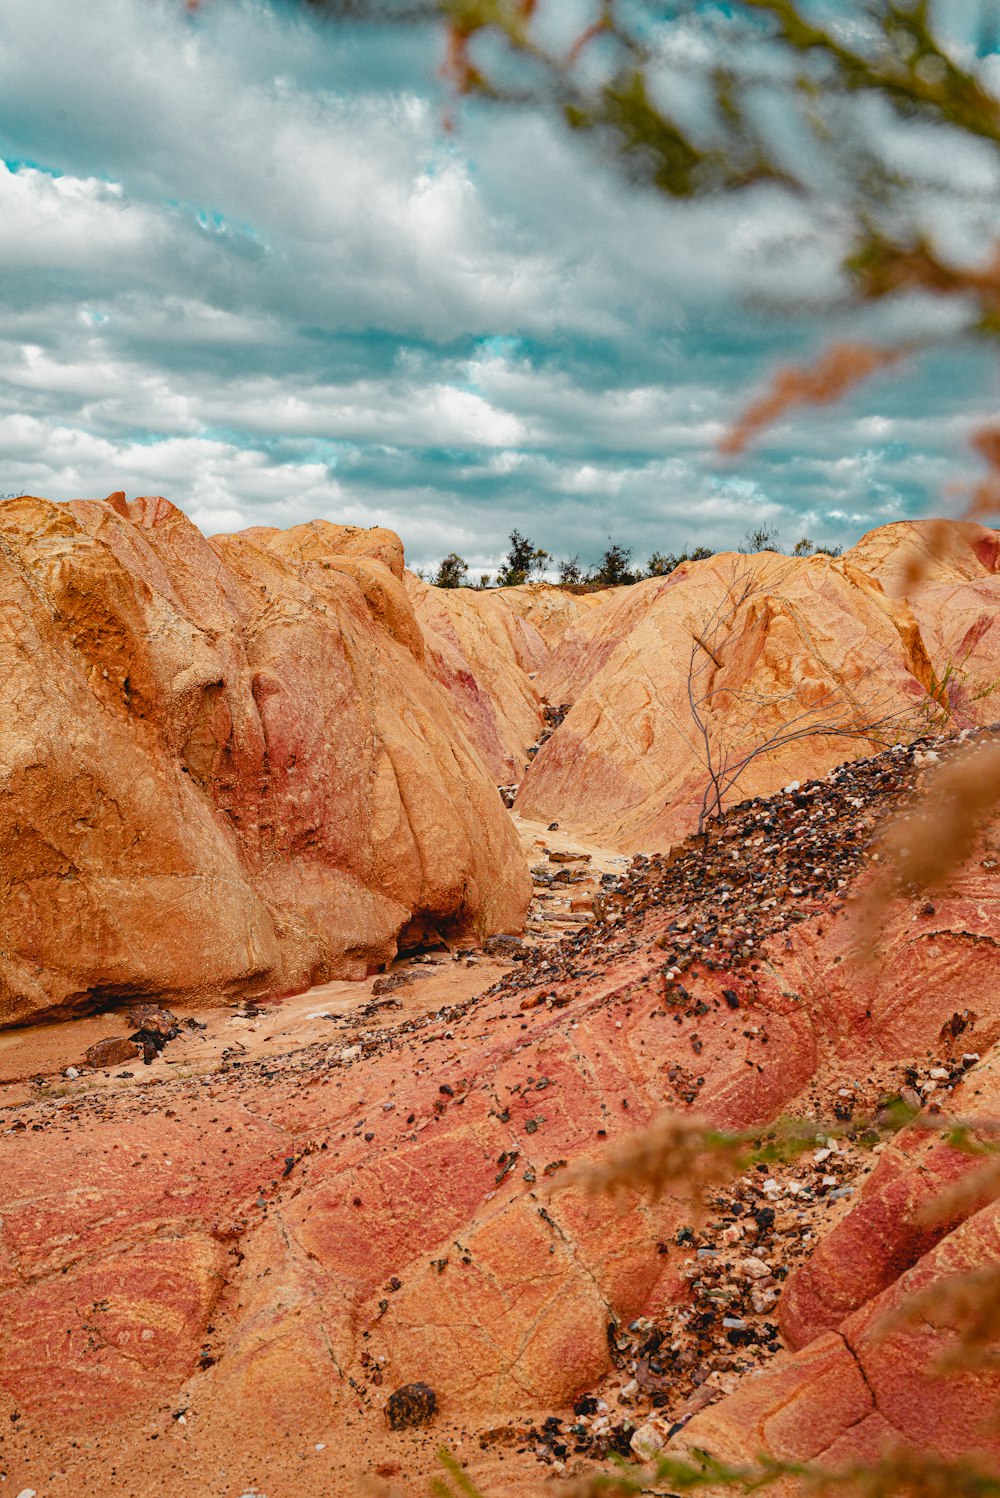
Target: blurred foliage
x,y
625,79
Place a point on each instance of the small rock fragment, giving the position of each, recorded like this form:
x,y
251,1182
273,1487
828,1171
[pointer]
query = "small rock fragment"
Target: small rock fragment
x,y
646,1442
150,1017
754,1269
410,1405
111,1052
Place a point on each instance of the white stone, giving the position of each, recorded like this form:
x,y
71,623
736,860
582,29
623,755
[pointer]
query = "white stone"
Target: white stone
x,y
71,1072
350,1053
754,1269
646,1442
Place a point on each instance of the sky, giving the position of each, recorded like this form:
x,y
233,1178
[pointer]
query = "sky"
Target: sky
x,y
245,263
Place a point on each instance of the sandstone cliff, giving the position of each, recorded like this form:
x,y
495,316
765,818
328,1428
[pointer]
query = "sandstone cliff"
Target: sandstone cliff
x,y
485,654
226,768
955,597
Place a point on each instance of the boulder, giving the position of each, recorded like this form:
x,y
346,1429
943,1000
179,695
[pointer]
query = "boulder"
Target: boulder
x,y
224,767
114,1051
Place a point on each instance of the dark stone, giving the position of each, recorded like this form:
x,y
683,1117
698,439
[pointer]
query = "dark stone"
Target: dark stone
x,y
111,1052
501,946
413,1404
153,1018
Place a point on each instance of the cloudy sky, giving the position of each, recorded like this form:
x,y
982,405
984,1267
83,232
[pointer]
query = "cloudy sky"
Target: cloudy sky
x,y
244,264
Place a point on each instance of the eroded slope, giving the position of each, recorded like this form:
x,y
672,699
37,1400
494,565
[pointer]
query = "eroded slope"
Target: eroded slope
x,y
299,1235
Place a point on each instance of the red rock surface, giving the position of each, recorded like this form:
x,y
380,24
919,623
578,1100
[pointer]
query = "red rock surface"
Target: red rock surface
x,y
874,1384
883,1236
270,1248
226,768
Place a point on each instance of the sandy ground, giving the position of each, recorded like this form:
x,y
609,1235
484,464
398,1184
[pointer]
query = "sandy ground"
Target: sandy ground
x,y
536,839
34,1059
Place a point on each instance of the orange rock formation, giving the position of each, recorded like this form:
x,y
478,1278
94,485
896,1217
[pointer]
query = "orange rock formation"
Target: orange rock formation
x,y
781,648
226,768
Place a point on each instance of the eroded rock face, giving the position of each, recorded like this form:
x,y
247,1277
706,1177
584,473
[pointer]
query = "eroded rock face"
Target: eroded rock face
x,y
770,645
816,655
225,767
951,576
484,654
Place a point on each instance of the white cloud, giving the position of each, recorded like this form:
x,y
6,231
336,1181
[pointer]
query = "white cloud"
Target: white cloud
x,y
269,285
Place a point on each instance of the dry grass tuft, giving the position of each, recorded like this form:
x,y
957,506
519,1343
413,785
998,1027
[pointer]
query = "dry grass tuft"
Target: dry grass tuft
x,y
969,1194
682,1153
843,366
900,1474
677,1152
920,849
968,1304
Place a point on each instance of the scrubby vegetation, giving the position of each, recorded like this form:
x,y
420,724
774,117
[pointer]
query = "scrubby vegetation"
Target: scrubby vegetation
x,y
525,562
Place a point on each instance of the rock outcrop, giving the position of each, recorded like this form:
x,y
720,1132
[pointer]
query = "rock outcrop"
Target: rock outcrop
x,y
950,572
225,766
485,654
